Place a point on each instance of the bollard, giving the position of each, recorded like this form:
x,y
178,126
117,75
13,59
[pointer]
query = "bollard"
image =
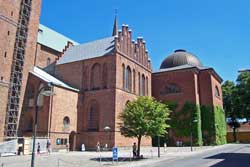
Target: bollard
x,y
100,158
2,165
151,151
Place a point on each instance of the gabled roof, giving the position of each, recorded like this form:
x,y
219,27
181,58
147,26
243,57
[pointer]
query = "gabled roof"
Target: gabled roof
x,y
52,39
88,50
38,72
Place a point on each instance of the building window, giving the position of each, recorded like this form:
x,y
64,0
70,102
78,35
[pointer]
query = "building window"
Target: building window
x,y
96,77
40,97
139,83
61,141
105,76
5,54
217,92
143,85
66,122
8,33
170,89
48,61
123,76
31,95
11,13
93,116
147,86
1,78
133,81
128,78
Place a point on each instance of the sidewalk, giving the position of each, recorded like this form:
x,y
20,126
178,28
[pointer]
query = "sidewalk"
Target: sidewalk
x,y
96,159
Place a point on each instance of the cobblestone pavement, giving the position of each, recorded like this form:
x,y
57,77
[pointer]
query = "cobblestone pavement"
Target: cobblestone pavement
x,y
96,159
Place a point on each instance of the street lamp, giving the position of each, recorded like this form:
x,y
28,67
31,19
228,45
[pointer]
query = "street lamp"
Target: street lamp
x,y
107,130
45,91
191,134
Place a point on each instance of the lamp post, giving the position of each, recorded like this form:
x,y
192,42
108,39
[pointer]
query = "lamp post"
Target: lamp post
x,y
45,91
191,134
158,140
107,130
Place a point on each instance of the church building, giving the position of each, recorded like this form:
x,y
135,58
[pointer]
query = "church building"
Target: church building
x,y
92,82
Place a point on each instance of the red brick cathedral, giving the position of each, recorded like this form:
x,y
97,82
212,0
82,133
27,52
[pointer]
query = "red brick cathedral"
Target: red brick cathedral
x,y
92,82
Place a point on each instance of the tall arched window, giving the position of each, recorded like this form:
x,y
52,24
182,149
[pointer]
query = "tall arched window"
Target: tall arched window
x,y
93,116
139,83
105,75
30,96
133,81
96,76
128,79
40,98
217,92
147,86
143,85
123,76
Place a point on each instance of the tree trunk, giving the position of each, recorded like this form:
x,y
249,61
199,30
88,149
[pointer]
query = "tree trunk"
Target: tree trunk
x,y
234,134
139,146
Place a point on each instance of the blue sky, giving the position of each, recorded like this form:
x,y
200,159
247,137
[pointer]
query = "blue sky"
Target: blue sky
x,y
216,31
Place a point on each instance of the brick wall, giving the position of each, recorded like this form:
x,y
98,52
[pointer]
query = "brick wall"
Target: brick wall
x,y
186,80
44,53
10,11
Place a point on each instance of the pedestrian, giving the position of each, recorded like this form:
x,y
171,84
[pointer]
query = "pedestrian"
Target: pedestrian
x,y
48,145
98,146
38,148
134,150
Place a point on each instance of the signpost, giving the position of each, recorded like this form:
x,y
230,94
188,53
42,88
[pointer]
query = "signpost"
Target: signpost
x,y
115,153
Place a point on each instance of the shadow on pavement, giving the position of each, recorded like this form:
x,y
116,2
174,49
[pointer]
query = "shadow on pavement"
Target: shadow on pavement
x,y
232,160
110,159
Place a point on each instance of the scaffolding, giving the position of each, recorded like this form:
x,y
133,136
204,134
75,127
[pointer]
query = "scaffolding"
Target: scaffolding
x,y
14,94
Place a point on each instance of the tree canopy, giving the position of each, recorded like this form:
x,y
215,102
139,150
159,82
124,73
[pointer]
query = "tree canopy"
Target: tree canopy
x,y
236,96
144,117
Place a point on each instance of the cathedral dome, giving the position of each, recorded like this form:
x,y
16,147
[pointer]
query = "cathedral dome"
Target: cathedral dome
x,y
178,58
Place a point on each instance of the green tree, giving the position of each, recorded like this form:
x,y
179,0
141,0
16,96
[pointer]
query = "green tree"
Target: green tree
x,y
144,117
232,110
228,89
242,95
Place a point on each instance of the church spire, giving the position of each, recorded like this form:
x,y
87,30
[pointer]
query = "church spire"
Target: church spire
x,y
115,27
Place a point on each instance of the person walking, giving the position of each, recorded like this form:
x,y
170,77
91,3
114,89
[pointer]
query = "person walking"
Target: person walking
x,y
98,149
38,148
134,150
48,145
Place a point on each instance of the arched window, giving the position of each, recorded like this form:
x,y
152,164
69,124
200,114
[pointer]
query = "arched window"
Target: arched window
x,y
147,86
30,96
40,97
128,79
133,81
217,92
96,76
66,122
48,61
143,85
93,116
139,83
123,76
105,76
